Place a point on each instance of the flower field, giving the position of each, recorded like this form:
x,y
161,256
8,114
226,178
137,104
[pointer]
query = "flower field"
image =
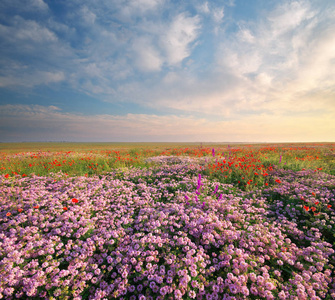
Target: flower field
x,y
221,222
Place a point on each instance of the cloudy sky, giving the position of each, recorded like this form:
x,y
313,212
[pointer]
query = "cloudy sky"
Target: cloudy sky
x,y
167,70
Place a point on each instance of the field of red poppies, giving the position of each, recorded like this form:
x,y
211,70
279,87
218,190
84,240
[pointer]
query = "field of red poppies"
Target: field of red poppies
x,y
167,222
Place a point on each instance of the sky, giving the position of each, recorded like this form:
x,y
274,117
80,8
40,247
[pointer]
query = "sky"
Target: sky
x,y
167,71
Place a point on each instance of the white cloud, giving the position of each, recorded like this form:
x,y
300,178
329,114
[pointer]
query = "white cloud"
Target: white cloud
x,y
289,16
176,42
26,30
127,11
204,8
87,15
27,79
147,57
245,35
24,5
218,14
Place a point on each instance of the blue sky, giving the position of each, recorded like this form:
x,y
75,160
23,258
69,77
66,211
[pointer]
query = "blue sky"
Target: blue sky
x,y
174,71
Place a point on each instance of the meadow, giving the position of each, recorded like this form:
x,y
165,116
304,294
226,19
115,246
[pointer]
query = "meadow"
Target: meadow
x,y
167,221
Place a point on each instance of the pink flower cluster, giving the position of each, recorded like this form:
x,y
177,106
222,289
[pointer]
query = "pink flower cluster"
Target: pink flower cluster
x,y
157,233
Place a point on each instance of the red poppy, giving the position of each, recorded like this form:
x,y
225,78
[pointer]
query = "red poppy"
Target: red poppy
x,y
19,210
65,208
317,202
266,184
278,181
329,206
74,200
313,209
7,175
306,208
315,214
36,206
8,214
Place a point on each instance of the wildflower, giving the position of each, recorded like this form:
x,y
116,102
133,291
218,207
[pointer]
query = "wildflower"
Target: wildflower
x,y
192,294
8,214
278,181
74,200
306,208
313,209
37,206
65,208
19,210
329,206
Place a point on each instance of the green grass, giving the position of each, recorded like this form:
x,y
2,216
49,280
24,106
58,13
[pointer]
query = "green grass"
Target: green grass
x,y
97,158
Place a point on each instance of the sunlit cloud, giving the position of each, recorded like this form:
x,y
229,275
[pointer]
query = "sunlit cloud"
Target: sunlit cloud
x,y
40,123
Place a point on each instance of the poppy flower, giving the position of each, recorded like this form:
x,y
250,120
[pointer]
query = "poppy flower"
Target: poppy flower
x,y
74,200
65,208
8,214
306,208
329,206
19,210
317,202
278,181
36,207
313,209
